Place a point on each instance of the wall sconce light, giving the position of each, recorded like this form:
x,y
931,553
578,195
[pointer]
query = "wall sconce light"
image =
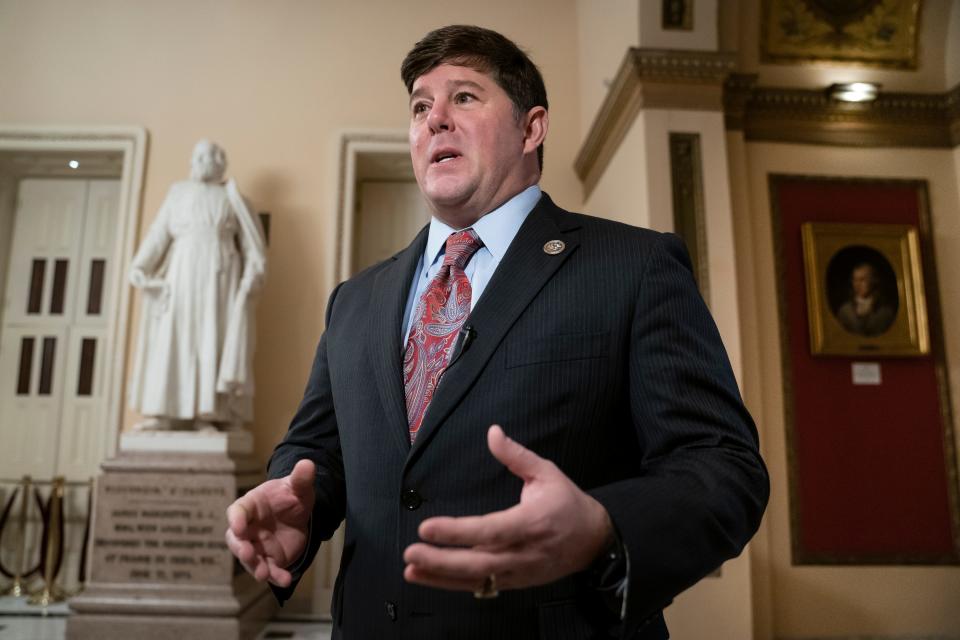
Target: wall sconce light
x,y
854,91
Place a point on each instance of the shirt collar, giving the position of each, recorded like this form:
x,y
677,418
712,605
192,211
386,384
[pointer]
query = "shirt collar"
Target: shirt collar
x,y
496,229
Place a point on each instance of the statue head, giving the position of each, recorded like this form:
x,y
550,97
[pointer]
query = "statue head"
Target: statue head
x,y
209,162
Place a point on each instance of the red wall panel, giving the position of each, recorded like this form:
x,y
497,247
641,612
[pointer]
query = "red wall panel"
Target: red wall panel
x,y
871,466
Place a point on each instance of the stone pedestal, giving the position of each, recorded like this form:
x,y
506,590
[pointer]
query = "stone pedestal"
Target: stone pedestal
x,y
160,568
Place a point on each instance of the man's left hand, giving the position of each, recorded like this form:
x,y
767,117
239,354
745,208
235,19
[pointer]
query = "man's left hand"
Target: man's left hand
x,y
554,531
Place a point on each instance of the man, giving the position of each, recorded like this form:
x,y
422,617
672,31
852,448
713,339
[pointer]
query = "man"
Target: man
x,y
865,312
625,466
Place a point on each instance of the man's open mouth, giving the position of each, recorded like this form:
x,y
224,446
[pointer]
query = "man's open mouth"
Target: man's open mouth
x,y
444,156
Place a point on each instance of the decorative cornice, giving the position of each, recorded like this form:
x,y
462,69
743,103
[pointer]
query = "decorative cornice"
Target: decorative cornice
x,y
704,81
705,67
810,116
952,99
653,79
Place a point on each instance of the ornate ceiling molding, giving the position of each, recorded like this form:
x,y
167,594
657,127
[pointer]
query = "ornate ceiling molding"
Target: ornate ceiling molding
x,y
810,116
704,81
952,99
651,79
705,67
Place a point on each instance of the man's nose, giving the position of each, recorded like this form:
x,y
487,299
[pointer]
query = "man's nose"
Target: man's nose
x,y
439,118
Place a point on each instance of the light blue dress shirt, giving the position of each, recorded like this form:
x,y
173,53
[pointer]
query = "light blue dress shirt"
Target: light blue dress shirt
x,y
496,230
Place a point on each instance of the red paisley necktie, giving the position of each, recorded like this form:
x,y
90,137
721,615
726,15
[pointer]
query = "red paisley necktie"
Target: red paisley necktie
x,y
439,314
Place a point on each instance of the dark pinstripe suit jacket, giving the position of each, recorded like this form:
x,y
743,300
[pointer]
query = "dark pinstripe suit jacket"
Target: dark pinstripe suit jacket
x,y
603,359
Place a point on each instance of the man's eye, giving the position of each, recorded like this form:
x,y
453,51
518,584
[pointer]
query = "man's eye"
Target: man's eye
x,y
464,97
420,108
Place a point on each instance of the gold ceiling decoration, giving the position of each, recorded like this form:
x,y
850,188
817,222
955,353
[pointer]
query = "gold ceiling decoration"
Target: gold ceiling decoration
x,y
874,32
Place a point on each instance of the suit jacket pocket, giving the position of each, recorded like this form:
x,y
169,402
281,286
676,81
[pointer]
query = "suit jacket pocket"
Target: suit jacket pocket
x,y
557,348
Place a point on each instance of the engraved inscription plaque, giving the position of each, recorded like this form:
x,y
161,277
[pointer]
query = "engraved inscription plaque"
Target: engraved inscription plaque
x,y
162,529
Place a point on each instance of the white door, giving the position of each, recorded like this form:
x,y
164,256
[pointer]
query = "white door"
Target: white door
x,y
52,332
389,215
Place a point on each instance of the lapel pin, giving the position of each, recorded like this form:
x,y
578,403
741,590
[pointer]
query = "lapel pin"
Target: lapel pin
x,y
554,247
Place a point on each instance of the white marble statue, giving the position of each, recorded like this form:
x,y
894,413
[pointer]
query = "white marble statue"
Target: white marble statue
x,y
198,269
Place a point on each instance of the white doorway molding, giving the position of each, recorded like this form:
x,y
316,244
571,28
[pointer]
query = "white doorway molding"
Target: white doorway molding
x,y
383,153
361,155
131,142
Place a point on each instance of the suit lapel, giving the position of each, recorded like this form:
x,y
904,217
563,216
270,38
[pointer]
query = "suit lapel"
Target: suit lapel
x,y
390,289
524,270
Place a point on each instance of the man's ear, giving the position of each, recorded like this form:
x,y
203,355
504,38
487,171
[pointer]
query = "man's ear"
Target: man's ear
x,y
536,124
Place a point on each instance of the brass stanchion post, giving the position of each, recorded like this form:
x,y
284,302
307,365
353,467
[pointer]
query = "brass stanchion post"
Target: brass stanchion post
x,y
19,586
53,553
82,570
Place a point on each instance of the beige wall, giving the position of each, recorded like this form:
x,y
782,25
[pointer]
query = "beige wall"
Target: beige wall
x,y
275,84
605,30
622,192
702,36
816,601
608,28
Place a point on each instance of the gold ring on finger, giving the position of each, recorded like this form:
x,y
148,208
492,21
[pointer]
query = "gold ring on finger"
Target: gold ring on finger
x,y
488,589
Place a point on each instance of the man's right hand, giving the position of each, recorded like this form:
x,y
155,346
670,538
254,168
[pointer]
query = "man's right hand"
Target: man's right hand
x,y
267,527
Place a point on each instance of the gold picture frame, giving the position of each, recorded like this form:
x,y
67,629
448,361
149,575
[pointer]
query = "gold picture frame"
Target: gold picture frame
x,y
865,294
677,15
881,33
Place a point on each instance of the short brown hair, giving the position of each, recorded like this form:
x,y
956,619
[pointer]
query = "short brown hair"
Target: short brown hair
x,y
486,51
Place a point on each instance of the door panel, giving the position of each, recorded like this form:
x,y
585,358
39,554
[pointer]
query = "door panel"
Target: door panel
x,y
80,444
95,268
29,413
53,332
47,224
389,215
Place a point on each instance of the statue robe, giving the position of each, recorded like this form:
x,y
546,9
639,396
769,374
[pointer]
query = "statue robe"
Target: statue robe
x,y
204,258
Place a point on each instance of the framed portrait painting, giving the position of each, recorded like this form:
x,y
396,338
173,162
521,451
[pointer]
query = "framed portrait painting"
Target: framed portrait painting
x,y
865,293
677,15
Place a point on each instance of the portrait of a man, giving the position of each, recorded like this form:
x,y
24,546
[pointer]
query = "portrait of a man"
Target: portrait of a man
x,y
863,291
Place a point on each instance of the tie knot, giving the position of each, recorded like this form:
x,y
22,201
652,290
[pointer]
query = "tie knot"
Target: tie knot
x,y
460,248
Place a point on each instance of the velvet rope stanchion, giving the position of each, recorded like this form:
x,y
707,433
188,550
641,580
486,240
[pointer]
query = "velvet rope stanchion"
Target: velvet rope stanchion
x,y
20,574
82,571
3,525
53,549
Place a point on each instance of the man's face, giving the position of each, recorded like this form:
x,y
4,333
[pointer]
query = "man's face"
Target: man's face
x,y
469,152
862,280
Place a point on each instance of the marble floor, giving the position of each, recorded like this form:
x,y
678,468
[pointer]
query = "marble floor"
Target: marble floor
x,y
18,621
32,627
280,630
